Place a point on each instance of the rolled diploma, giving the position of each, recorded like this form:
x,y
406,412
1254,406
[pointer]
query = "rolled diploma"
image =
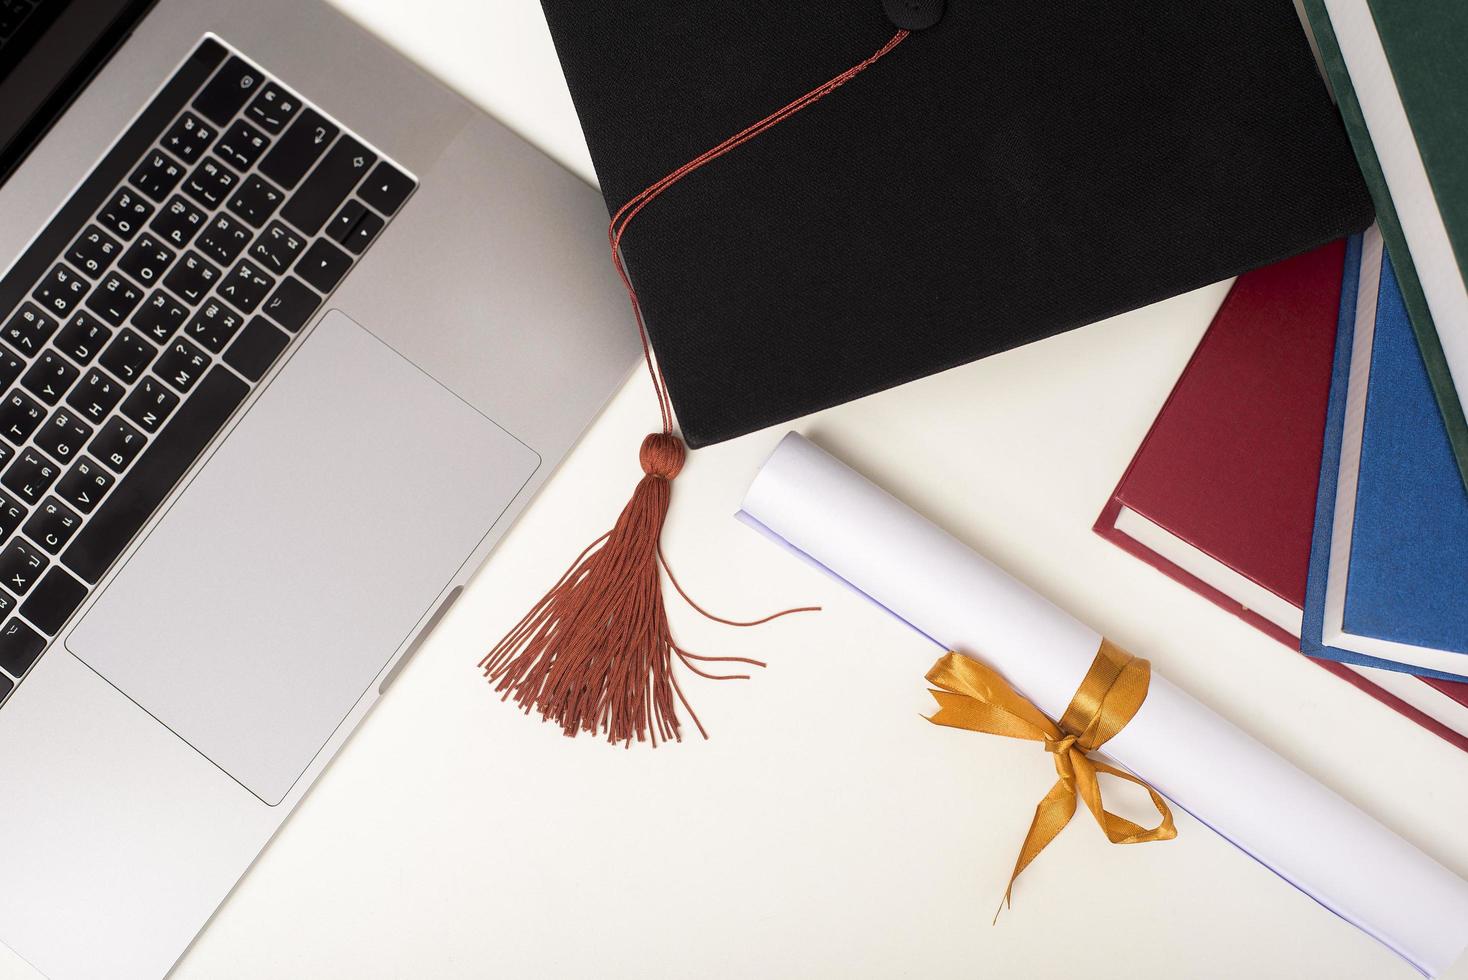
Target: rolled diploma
x,y
815,505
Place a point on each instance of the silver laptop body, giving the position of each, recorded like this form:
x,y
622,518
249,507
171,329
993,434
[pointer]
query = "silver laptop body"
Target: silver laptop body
x,y
221,659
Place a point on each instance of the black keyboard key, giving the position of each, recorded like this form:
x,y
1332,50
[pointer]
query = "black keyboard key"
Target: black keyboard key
x,y
94,399
316,200
323,265
188,138
149,404
6,684
137,495
363,232
241,145
214,326
211,183
160,317
117,445
146,260
19,417
30,476
277,247
114,299
273,108
94,251
179,222
49,377
157,175
10,367
224,239
256,349
192,278
182,365
51,526
29,329
54,600
60,291
125,213
246,287
19,647
83,485
387,188
255,201
127,355
346,219
228,91
12,514
64,435
295,152
80,339
292,304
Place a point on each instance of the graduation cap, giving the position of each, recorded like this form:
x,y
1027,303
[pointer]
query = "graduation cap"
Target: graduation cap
x,y
958,179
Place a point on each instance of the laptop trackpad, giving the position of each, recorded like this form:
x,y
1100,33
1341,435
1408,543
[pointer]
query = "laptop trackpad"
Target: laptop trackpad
x,y
272,593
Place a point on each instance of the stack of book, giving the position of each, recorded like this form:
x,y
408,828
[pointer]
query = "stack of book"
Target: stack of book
x,y
1309,472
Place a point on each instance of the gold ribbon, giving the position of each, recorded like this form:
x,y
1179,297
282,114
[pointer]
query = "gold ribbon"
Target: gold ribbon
x,y
976,698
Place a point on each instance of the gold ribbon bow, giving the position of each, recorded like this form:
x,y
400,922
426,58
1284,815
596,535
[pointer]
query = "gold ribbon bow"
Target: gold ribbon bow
x,y
976,698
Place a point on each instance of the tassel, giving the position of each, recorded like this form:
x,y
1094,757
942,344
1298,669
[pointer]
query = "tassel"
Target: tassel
x,y
596,653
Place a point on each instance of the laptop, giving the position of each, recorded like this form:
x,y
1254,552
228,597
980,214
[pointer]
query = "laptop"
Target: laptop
x,y
289,334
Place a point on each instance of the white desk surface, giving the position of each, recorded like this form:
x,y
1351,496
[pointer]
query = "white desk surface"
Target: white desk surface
x,y
826,830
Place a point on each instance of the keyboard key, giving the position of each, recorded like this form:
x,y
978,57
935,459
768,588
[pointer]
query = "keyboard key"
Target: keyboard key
x,y
363,232
292,304
157,175
273,108
125,213
323,265
6,684
256,349
241,145
149,404
94,251
79,340
127,355
211,183
63,435
117,445
255,201
137,495
94,398
246,287
146,260
60,291
189,137
50,377
51,526
339,172
30,476
160,317
227,91
19,417
387,188
19,647
182,365
53,602
82,486
224,239
295,152
214,326
12,514
29,329
114,299
192,278
179,222
277,247
10,367
340,228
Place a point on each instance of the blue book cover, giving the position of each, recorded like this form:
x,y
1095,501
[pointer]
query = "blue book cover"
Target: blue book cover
x,y
1388,582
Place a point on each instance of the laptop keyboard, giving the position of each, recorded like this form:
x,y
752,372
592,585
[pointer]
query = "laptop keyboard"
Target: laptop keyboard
x,y
142,316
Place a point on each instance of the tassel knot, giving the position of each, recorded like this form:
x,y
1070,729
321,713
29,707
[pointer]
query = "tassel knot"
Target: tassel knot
x,y
662,455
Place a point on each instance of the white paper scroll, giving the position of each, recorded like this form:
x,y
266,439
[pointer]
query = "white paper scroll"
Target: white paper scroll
x,y
817,507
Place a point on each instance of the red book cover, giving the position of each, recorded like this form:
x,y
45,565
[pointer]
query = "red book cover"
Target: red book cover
x,y
1221,494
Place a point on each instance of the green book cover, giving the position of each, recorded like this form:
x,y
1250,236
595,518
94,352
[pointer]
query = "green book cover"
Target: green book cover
x,y
1424,44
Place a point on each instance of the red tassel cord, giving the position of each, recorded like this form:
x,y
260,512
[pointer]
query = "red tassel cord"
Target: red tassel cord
x,y
596,654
